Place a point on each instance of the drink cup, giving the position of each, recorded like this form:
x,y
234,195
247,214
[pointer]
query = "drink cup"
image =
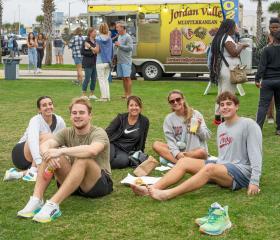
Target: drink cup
x,y
194,125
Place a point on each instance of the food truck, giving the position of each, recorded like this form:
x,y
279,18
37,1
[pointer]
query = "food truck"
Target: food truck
x,y
168,36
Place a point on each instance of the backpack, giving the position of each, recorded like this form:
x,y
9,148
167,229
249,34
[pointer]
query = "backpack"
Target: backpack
x,y
11,43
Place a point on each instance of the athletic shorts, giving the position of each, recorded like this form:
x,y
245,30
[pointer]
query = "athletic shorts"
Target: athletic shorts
x,y
58,51
103,186
123,70
239,179
77,60
18,157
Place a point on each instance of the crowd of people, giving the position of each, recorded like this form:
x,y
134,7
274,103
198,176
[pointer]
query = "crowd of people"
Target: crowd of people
x,y
81,156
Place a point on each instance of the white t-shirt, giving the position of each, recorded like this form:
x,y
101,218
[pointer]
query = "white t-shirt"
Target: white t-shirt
x,y
37,125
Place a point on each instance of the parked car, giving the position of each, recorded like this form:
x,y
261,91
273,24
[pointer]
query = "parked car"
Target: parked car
x,y
4,45
22,44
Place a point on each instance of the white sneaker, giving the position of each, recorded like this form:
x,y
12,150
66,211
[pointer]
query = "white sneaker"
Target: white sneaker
x,y
12,174
270,121
30,176
49,212
32,207
93,97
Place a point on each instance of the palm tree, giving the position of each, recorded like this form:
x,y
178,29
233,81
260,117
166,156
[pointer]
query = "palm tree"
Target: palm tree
x,y
48,8
1,18
275,8
40,20
259,31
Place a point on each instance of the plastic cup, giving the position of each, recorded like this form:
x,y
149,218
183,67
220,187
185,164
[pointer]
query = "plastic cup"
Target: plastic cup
x,y
194,125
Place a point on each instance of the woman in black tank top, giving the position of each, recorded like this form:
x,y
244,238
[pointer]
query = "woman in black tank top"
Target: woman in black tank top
x,y
40,50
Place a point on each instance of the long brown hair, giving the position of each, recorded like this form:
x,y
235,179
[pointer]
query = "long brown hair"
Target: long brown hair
x,y
188,111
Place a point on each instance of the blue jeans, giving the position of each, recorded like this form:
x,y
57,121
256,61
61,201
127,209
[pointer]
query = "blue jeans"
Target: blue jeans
x,y
32,57
90,75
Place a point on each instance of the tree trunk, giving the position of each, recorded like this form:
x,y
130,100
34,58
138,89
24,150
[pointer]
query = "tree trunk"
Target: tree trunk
x,y
48,9
1,16
259,31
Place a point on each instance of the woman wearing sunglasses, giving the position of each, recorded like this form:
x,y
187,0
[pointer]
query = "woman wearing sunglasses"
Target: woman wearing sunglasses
x,y
185,132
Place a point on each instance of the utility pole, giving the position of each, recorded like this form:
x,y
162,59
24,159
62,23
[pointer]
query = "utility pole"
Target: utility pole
x,y
69,17
19,19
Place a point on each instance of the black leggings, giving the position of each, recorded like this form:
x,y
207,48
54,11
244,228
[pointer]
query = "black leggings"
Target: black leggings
x,y
40,56
118,157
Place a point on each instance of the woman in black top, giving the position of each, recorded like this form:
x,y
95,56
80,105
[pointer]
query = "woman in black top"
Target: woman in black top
x,y
89,51
127,132
269,73
41,44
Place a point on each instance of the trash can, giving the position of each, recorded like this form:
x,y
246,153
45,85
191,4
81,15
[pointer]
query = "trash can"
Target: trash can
x,y
11,66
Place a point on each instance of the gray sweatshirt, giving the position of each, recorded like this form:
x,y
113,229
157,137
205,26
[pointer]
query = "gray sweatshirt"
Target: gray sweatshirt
x,y
241,145
124,51
37,125
175,129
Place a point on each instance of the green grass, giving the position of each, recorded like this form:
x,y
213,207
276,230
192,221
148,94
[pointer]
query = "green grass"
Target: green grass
x,y
122,215
65,67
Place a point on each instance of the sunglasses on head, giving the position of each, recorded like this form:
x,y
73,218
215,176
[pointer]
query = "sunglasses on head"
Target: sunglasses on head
x,y
172,101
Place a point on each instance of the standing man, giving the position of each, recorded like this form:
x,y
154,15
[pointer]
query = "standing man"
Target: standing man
x,y
79,158
239,161
124,47
75,44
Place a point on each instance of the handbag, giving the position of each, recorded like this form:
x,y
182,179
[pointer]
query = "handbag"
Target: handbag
x,y
238,74
146,167
136,158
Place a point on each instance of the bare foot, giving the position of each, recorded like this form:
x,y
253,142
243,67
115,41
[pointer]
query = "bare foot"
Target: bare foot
x,y
139,190
158,194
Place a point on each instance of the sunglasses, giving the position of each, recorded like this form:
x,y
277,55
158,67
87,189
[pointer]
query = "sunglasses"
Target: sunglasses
x,y
172,101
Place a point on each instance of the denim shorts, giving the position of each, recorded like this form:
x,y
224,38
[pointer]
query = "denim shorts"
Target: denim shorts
x,y
77,60
239,179
123,70
58,51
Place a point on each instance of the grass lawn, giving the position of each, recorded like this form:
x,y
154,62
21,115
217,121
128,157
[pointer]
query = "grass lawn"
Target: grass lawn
x,y
122,215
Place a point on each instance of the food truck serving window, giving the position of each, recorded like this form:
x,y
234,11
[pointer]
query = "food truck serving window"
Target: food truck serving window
x,y
149,27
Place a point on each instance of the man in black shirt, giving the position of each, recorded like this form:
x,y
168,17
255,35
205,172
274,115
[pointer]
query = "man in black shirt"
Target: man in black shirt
x,y
268,80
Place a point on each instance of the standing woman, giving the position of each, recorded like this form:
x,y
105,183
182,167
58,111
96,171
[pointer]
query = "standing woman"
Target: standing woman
x,y
32,52
127,132
26,153
224,52
181,140
41,44
104,60
89,51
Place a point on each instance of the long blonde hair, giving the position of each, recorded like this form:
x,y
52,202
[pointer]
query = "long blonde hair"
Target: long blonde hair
x,y
188,111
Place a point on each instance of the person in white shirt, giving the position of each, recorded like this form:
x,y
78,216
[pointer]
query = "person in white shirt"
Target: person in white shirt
x,y
26,153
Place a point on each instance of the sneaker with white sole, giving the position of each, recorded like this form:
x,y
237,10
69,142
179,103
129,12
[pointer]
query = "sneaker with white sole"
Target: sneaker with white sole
x,y
32,207
202,220
49,212
217,223
270,120
12,174
30,176
93,97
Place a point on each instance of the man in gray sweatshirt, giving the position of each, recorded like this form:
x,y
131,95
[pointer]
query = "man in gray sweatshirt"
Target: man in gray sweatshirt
x,y
239,161
124,47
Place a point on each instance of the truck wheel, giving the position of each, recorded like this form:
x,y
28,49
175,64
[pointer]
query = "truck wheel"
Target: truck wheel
x,y
24,49
151,71
168,74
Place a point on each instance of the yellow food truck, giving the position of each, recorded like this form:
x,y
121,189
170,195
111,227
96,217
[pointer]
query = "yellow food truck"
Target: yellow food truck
x,y
169,36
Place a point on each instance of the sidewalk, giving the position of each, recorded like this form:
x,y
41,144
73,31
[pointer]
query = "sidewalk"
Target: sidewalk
x,y
45,74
